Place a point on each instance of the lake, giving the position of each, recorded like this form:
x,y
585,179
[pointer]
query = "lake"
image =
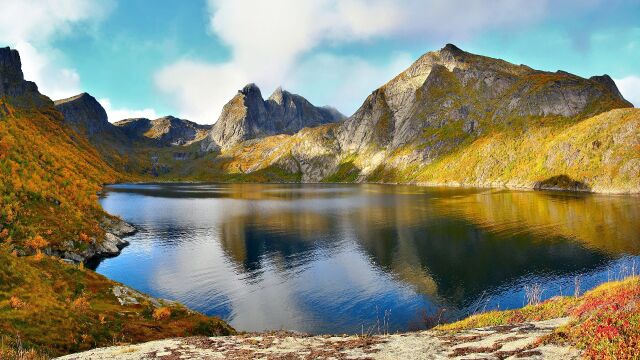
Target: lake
x,y
364,258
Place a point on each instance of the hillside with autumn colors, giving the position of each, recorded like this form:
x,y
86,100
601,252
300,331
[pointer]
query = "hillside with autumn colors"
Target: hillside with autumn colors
x,y
51,178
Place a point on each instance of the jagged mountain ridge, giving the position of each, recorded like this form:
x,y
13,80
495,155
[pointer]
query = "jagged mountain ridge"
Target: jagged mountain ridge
x,y
13,85
457,118
420,127
248,116
167,130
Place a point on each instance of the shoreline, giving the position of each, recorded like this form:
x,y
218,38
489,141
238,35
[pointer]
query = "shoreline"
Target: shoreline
x,y
435,185
116,230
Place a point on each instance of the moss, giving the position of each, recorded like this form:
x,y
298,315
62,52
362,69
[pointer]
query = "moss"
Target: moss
x,y
347,171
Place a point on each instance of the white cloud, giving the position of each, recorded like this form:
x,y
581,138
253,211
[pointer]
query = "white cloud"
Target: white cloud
x,y
30,26
52,80
198,89
630,88
268,39
349,81
115,114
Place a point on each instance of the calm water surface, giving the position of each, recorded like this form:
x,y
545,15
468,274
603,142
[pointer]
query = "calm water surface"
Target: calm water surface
x,y
334,258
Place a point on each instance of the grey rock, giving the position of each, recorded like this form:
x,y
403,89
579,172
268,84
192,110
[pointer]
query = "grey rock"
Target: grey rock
x,y
248,116
166,131
451,85
21,93
84,114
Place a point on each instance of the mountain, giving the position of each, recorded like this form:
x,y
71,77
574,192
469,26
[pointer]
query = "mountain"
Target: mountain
x,y
168,130
451,118
84,114
456,118
248,116
12,83
456,90
51,175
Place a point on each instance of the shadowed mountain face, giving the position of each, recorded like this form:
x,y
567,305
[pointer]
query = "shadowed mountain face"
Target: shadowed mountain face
x,y
168,130
13,85
85,114
248,116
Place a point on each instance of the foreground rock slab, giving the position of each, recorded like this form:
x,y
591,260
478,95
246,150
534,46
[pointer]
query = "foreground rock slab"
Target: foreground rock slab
x,y
519,341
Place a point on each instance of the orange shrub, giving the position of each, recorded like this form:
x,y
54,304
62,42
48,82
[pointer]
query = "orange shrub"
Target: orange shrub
x,y
16,303
37,242
84,238
80,303
161,313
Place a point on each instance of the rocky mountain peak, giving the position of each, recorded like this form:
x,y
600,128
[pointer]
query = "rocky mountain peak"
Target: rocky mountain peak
x,y
251,90
278,95
10,65
83,113
452,50
13,84
249,116
453,86
607,82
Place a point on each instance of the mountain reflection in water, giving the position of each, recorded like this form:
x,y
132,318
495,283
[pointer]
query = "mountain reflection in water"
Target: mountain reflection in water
x,y
332,258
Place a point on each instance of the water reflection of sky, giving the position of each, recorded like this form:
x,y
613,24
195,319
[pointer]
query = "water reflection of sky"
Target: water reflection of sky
x,y
330,258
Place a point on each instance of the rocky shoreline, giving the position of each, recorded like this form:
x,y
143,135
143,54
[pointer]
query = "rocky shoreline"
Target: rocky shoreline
x,y
518,341
113,242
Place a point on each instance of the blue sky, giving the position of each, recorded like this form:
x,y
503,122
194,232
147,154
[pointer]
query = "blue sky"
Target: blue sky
x,y
187,58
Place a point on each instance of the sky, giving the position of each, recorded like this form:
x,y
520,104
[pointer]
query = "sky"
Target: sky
x,y
187,58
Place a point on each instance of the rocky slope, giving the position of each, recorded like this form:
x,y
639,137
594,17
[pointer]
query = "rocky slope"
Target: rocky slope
x,y
248,116
167,131
84,114
457,118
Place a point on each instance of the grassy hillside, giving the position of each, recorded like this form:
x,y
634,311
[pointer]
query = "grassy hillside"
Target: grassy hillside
x,y
51,177
600,154
48,195
59,308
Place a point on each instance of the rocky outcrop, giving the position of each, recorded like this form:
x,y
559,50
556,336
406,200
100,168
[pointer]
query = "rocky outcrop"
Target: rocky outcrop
x,y
84,114
166,131
518,341
248,116
13,85
113,242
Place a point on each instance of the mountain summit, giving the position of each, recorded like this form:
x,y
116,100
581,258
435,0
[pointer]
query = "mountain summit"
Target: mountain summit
x,y
12,82
248,116
451,87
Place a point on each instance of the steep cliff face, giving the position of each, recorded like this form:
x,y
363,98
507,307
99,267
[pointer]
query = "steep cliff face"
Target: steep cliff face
x,y
451,86
167,131
84,114
13,85
248,116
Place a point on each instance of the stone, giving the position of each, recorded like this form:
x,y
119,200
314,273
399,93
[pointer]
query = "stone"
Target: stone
x,y
248,116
